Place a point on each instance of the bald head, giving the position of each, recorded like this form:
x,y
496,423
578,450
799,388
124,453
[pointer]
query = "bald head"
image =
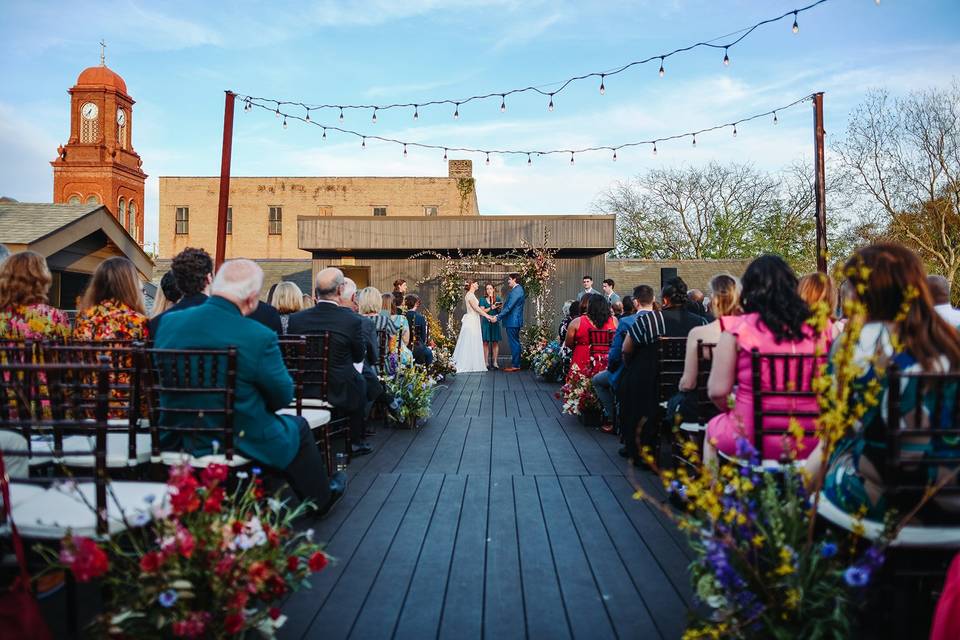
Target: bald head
x,y
695,295
329,281
939,288
239,281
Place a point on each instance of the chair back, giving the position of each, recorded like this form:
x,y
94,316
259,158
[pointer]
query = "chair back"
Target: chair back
x,y
671,353
706,408
383,341
600,341
192,397
293,348
43,403
316,365
923,443
783,389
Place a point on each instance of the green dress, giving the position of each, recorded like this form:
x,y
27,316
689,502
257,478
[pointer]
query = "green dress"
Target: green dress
x,y
490,330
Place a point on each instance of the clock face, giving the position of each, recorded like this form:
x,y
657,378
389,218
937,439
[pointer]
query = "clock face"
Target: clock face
x,y
121,117
89,111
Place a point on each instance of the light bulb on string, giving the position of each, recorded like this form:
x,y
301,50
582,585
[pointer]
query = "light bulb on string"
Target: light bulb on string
x,y
775,120
529,161
363,145
404,150
276,114
324,136
247,106
726,58
488,158
550,106
341,114
456,112
614,155
374,115
571,157
654,148
284,122
444,154
796,26
308,115
416,112
734,131
662,71
603,89
694,139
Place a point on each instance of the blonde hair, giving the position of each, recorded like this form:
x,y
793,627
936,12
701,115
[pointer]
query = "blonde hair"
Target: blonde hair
x,y
308,301
817,287
160,303
24,280
287,298
725,295
369,300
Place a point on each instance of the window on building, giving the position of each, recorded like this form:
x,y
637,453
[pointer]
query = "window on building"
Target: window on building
x,y
73,200
229,221
132,217
276,221
431,210
325,210
93,199
122,214
379,211
183,221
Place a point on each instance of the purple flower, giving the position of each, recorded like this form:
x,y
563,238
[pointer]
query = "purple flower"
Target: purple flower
x,y
167,598
745,450
828,550
873,558
857,576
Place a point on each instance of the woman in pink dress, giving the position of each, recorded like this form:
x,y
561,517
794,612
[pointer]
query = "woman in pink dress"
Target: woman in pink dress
x,y
774,321
597,316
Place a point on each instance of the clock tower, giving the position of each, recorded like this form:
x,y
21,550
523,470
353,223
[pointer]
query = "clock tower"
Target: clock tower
x,y
98,165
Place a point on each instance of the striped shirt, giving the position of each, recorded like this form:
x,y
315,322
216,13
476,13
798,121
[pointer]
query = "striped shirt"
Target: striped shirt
x,y
672,322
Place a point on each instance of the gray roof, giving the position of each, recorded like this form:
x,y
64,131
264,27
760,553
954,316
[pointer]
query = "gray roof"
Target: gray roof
x,y
27,222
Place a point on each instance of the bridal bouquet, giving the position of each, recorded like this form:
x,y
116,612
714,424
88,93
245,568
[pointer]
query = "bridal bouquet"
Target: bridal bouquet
x,y
214,561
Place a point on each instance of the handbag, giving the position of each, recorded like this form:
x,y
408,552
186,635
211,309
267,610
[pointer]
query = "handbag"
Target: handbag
x,y
20,616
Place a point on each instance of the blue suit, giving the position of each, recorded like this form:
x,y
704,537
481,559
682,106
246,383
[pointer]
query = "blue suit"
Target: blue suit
x,y
512,318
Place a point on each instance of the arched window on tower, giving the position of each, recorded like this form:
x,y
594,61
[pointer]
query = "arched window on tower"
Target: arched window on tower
x,y
74,199
132,217
93,199
122,213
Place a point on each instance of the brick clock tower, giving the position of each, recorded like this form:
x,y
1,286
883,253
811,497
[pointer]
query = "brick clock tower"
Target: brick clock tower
x,y
98,163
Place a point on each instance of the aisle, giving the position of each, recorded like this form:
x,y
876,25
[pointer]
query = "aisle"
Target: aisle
x,y
501,518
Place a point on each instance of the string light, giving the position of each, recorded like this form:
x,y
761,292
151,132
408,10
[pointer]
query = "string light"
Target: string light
x,y
374,116
277,112
614,155
416,112
256,102
503,103
341,114
603,89
724,42
529,161
726,58
488,159
456,113
284,122
404,151
550,106
796,25
571,157
308,115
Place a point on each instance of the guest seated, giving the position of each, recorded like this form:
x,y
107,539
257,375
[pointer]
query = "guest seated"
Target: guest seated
x,y
696,304
112,306
616,308
24,313
817,289
637,389
940,290
368,305
399,319
569,311
384,321
918,341
724,306
167,295
287,299
605,382
282,442
422,353
597,317
346,390
193,272
773,321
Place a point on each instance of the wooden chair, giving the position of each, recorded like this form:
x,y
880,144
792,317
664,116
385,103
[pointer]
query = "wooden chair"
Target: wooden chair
x,y
911,578
293,349
694,430
600,341
203,381
316,376
671,353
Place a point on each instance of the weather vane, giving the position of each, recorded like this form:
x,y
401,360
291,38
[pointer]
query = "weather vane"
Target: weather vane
x,y
103,53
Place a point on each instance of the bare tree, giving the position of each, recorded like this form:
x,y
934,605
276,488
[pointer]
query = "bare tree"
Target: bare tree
x,y
902,155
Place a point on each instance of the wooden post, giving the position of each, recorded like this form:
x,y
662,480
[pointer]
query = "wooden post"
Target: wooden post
x,y
224,178
819,185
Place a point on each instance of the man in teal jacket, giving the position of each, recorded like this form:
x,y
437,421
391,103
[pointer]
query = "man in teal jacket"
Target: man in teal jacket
x,y
264,385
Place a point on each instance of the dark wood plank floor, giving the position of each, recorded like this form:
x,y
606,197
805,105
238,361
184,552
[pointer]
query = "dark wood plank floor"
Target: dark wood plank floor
x,y
500,518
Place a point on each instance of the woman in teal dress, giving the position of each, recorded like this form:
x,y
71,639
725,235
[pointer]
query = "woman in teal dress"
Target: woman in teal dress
x,y
491,303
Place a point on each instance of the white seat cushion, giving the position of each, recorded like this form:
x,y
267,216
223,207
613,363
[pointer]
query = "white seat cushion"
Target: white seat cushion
x,y
50,513
315,417
910,536
172,458
117,445
692,427
313,403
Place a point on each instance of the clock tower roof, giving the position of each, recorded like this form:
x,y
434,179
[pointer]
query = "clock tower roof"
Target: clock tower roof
x,y
101,76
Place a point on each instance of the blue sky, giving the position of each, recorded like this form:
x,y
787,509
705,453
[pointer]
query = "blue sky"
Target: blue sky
x,y
177,59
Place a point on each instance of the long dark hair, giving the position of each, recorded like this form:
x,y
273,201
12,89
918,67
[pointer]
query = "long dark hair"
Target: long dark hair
x,y
770,289
115,279
598,310
891,270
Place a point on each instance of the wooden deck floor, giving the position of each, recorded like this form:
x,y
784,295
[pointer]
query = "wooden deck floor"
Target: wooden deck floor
x,y
500,518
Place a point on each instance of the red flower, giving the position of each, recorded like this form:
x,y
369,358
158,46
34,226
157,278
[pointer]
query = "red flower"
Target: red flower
x,y
84,557
151,561
274,613
185,541
234,623
214,474
193,626
293,563
224,565
214,501
183,495
277,585
317,561
239,601
258,573
237,526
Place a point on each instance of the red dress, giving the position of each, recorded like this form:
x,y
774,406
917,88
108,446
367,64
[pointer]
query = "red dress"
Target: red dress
x,y
581,342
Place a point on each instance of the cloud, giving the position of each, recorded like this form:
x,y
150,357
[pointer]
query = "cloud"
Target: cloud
x,y
523,32
27,151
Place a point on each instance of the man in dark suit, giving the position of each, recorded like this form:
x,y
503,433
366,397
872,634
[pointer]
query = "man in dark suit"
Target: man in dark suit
x,y
422,353
267,316
283,442
346,390
511,315
193,272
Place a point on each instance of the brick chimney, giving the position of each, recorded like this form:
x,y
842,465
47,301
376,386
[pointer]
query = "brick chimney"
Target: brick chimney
x,y
460,168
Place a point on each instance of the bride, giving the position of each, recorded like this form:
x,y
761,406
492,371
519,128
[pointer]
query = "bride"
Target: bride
x,y
468,354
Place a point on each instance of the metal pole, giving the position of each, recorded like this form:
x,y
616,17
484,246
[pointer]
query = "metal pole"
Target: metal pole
x,y
819,185
224,178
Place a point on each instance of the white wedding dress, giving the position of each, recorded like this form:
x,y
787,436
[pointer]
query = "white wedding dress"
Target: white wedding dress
x,y
468,355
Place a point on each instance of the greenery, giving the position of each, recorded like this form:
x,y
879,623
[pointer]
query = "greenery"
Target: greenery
x,y
414,386
465,186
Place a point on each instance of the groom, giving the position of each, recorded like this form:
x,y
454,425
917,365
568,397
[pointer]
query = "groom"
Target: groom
x,y
512,317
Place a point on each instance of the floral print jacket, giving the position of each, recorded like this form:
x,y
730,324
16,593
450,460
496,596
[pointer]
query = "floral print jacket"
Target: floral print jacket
x,y
110,320
33,322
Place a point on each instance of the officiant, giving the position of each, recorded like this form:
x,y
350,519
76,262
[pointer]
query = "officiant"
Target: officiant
x,y
491,303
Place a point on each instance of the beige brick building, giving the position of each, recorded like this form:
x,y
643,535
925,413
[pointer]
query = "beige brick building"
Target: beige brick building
x,y
263,213
630,272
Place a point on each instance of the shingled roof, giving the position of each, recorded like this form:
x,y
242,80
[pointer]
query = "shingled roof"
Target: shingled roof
x,y
27,222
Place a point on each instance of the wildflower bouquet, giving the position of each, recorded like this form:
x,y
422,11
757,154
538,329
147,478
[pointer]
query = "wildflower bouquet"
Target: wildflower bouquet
x,y
535,338
578,394
214,563
414,386
442,346
547,360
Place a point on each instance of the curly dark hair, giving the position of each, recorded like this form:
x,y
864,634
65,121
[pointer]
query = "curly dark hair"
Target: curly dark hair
x,y
168,283
598,310
675,292
190,269
770,289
